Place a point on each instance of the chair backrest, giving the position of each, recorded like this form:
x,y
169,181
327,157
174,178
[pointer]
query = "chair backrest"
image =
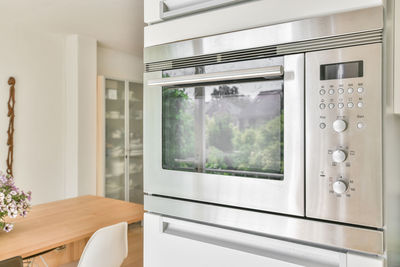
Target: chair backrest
x,y
108,247
13,262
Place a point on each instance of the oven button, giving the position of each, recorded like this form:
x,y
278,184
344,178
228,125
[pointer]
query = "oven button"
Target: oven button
x,y
339,125
339,156
331,105
350,105
322,92
322,106
340,90
340,105
340,186
331,91
322,125
350,90
360,89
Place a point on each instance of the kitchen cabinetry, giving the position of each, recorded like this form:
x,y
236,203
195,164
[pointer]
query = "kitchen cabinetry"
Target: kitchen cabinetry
x,y
243,15
179,243
394,11
120,140
156,10
177,8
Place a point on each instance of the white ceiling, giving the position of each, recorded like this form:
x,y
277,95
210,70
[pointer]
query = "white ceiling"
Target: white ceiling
x,y
116,24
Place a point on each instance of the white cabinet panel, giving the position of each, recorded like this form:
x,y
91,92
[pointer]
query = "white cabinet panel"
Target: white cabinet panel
x,y
355,260
238,17
151,11
158,10
176,243
396,52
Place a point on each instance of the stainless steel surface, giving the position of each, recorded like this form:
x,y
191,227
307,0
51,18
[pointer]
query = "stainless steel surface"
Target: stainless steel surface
x,y
267,72
360,38
283,196
166,12
366,20
278,226
325,164
259,174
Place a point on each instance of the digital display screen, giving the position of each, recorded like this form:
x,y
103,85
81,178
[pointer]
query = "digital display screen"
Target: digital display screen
x,y
343,70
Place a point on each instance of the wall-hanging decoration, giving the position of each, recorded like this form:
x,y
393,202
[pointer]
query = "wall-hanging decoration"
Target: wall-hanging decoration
x,y
10,131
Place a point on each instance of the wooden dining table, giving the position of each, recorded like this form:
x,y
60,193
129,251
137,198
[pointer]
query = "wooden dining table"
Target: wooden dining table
x,y
65,223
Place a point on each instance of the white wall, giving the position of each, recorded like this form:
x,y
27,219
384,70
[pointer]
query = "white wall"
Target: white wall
x,y
55,123
80,119
36,60
87,81
119,65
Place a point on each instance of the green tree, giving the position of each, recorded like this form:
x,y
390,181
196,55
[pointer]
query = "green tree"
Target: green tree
x,y
178,129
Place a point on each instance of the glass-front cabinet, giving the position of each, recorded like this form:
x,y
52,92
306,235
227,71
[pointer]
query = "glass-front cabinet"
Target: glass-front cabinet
x,y
120,139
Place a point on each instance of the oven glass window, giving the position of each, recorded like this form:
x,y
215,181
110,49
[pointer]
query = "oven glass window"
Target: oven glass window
x,y
234,128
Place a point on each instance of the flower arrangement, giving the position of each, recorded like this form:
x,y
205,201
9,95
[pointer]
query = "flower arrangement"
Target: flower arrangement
x,y
13,202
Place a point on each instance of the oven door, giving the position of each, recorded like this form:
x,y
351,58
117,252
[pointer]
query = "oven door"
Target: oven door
x,y
228,136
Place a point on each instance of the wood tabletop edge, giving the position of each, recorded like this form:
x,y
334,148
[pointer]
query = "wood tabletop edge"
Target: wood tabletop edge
x,y
75,208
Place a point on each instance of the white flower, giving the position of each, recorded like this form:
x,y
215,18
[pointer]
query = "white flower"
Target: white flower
x,y
1,196
8,227
13,193
8,198
11,207
12,213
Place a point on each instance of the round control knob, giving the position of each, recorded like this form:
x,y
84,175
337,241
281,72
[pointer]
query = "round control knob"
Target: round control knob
x,y
339,156
339,125
340,186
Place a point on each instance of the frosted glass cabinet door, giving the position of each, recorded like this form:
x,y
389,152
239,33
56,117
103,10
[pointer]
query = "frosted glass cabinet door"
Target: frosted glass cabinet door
x,y
135,143
115,139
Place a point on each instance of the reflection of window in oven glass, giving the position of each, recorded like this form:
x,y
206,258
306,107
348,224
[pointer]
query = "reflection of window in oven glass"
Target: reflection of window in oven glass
x,y
230,129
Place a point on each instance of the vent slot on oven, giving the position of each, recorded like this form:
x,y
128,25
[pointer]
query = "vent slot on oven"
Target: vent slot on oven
x,y
361,38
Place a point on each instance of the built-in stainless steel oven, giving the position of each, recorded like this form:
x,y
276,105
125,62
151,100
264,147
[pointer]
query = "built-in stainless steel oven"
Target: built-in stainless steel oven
x,y
229,133
283,119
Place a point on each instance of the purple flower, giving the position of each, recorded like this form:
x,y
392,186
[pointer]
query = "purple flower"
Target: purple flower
x,y
3,179
13,201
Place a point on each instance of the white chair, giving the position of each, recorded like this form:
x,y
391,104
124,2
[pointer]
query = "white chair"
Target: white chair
x,y
108,247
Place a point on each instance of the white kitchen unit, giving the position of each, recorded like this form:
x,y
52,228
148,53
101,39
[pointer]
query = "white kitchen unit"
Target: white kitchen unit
x,y
395,5
120,139
170,9
226,145
179,243
204,212
242,15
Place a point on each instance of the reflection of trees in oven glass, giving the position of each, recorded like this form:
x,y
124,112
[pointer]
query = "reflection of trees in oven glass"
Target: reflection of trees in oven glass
x,y
178,130
243,130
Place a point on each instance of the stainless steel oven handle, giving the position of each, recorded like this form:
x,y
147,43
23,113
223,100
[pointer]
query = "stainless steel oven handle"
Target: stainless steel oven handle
x,y
266,72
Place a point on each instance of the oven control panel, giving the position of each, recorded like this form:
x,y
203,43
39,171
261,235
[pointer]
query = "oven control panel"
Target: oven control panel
x,y
344,135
